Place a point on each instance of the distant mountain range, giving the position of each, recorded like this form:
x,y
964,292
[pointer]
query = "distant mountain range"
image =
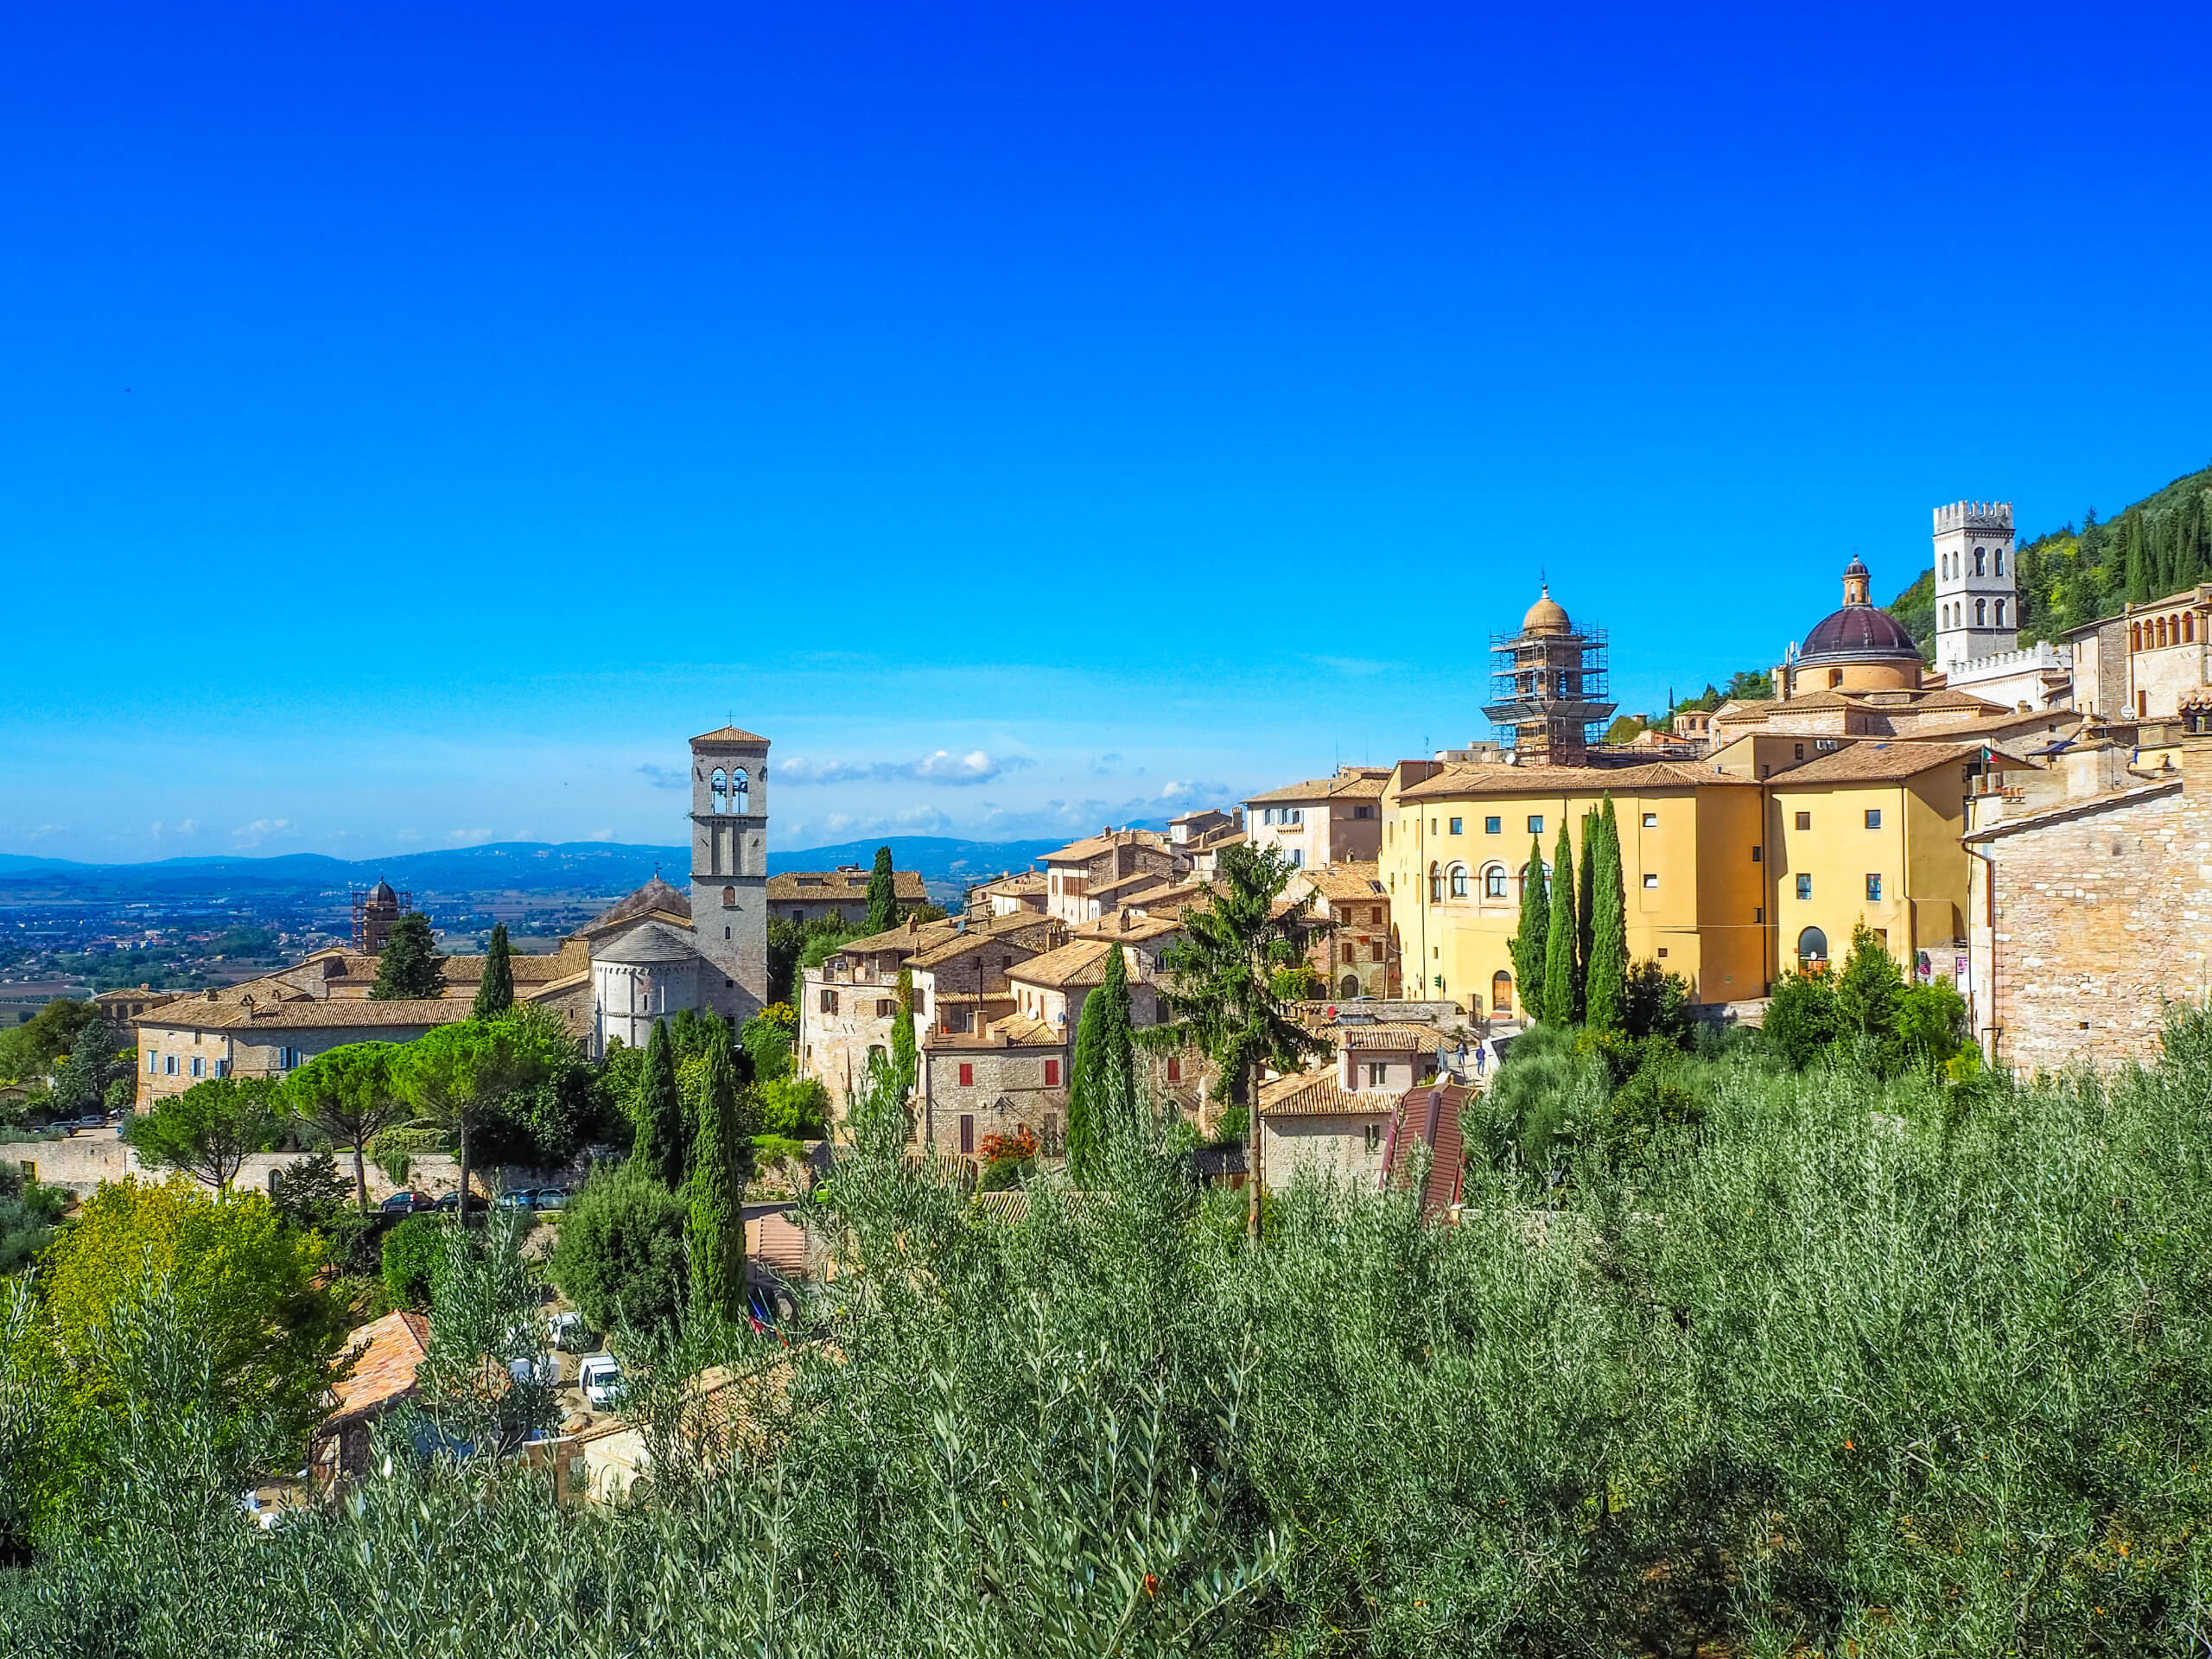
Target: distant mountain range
x,y
945,864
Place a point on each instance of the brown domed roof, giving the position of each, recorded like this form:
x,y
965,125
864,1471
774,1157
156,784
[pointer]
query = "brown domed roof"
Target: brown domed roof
x,y
1547,615
1859,633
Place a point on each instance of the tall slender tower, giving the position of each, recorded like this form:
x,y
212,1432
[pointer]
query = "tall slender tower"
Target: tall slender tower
x,y
1977,597
729,869
1548,687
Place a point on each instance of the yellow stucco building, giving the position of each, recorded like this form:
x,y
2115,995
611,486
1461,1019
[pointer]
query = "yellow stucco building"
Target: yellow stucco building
x,y
1456,841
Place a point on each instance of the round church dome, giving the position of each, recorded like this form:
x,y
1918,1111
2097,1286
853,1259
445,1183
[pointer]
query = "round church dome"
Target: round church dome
x,y
1547,615
1859,633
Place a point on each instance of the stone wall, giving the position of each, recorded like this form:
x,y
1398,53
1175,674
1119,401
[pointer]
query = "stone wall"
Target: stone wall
x,y
2100,913
82,1162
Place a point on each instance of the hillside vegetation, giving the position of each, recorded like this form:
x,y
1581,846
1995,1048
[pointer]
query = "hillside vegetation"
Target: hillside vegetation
x,y
1763,1361
2156,546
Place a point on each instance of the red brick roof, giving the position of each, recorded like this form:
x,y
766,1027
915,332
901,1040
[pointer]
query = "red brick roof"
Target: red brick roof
x,y
389,1350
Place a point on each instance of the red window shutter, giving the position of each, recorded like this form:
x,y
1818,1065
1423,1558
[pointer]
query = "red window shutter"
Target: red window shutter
x,y
967,1130
1174,1070
967,1075
1051,1074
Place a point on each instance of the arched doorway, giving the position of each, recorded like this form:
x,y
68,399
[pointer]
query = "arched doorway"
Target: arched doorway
x,y
1812,951
1349,987
1501,993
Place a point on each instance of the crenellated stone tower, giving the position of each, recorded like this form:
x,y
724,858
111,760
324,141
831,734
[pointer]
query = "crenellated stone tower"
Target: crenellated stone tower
x,y
1977,594
729,869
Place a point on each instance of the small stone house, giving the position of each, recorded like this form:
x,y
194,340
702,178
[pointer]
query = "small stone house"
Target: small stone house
x,y
838,895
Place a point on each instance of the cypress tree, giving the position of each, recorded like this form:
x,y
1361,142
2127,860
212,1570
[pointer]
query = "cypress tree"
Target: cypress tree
x,y
882,894
1586,914
658,1111
714,1235
495,991
1531,940
410,967
902,1035
1558,945
1101,1080
1606,988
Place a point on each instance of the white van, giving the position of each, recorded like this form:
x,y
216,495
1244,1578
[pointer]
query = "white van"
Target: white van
x,y
600,1376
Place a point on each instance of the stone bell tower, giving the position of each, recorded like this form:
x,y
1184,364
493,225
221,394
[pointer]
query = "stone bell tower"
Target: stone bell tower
x,y
1977,596
729,869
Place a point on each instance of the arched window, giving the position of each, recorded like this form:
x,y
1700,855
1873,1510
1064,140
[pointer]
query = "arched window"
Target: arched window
x,y
1981,613
1812,951
721,784
1978,570
2000,561
2000,612
2135,636
1493,881
730,898
2188,627
2160,628
1459,881
1501,993
1436,884
740,785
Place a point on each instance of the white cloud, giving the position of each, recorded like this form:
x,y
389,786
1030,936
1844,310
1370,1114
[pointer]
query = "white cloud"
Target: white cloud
x,y
46,830
409,835
600,834
468,838
189,826
1193,791
943,767
666,776
252,834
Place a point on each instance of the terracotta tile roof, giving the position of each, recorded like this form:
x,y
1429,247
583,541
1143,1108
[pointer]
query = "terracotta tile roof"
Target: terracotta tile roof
x,y
1024,1030
908,938
2063,809
1348,879
778,1242
1397,1038
1082,852
1023,931
384,1375
808,887
730,735
655,894
1883,761
1354,783
1318,1094
1018,884
298,1013
1129,927
1129,886
1430,1116
1949,698
1457,780
1079,963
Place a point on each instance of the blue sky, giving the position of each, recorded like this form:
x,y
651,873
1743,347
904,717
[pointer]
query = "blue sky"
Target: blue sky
x,y
417,422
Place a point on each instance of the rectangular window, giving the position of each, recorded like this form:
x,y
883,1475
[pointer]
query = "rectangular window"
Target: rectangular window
x,y
198,1067
1493,826
1758,917
1536,823
169,1066
1650,880
1804,820
1873,817
1804,886
1051,1074
1801,751
222,1068
1378,1073
967,1074
1376,948
1294,815
1455,826
885,1007
1298,858
1174,1070
1652,820
1874,889
829,1001
1373,1139
1662,953
1363,811
1757,854
967,1130
153,1064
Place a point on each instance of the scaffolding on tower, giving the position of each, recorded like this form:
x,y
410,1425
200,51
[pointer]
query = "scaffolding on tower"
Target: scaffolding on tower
x,y
1550,693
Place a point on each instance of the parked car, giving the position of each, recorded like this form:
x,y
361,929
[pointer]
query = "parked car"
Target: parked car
x,y
549,1197
569,1333
404,1203
600,1377
520,1199
451,1202
90,1121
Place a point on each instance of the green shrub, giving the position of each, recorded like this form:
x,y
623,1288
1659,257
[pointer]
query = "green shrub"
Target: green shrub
x,y
620,1258
413,1254
1801,1021
796,1107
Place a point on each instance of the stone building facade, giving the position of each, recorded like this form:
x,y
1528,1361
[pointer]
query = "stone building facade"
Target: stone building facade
x,y
838,895
1102,861
2091,885
1323,821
